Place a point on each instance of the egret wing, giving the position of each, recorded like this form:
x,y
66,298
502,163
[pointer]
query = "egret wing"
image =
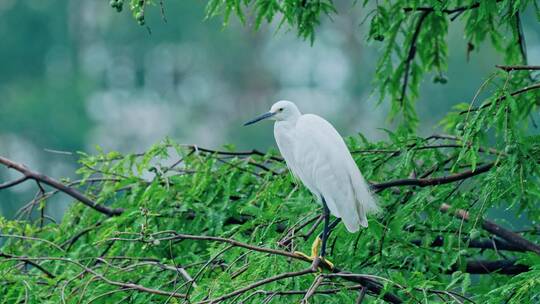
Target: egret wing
x,y
327,168
285,141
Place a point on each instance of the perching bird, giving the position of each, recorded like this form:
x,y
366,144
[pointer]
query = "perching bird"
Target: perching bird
x,y
317,155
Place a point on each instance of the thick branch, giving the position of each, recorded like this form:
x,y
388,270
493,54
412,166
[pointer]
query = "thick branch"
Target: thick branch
x,y
423,182
509,236
494,244
509,267
29,174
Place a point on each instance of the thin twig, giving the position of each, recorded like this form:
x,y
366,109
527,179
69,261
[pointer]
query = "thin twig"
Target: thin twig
x,y
509,68
503,97
259,283
100,276
411,54
13,183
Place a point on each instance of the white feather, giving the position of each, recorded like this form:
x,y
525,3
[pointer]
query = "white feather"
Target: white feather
x,y
317,155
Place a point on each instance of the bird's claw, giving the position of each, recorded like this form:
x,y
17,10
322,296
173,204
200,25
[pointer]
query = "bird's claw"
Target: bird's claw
x,y
315,258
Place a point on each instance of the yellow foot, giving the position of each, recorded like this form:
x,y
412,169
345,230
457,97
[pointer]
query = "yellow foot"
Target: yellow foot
x,y
315,254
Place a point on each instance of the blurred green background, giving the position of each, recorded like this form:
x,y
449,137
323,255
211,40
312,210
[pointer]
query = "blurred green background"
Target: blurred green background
x,y
76,74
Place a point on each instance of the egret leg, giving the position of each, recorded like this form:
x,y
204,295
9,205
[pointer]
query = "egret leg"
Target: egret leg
x,y
329,230
326,218
320,240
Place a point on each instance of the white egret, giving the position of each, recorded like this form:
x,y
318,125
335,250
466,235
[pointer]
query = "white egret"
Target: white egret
x,y
317,155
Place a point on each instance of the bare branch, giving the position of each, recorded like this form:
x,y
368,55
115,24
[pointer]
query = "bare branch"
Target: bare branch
x,y
13,183
509,68
29,174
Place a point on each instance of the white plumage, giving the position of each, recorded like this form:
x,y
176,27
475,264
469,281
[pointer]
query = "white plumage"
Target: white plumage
x,y
317,155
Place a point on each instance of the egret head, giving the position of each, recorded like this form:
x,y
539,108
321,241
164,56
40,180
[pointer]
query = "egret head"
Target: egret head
x,y
280,111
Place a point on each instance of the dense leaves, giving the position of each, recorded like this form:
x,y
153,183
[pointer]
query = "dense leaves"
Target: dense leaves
x,y
172,189
207,225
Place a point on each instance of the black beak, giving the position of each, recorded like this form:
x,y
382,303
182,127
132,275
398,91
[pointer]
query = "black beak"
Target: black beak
x,y
259,118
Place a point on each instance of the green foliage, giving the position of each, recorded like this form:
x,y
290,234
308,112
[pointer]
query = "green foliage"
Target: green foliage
x,y
304,15
173,189
186,208
412,35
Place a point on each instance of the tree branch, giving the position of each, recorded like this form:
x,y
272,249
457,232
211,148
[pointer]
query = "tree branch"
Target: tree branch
x,y
423,182
411,54
372,285
509,236
13,183
503,97
521,38
259,283
509,68
494,244
30,262
508,267
29,174
98,275
450,11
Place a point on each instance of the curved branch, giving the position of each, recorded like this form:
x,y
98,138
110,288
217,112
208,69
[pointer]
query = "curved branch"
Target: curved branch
x,y
29,174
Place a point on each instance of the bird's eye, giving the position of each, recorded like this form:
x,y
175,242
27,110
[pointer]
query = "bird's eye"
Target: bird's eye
x,y
281,109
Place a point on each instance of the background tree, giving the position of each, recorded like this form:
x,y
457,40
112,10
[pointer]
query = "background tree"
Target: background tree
x,y
181,223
